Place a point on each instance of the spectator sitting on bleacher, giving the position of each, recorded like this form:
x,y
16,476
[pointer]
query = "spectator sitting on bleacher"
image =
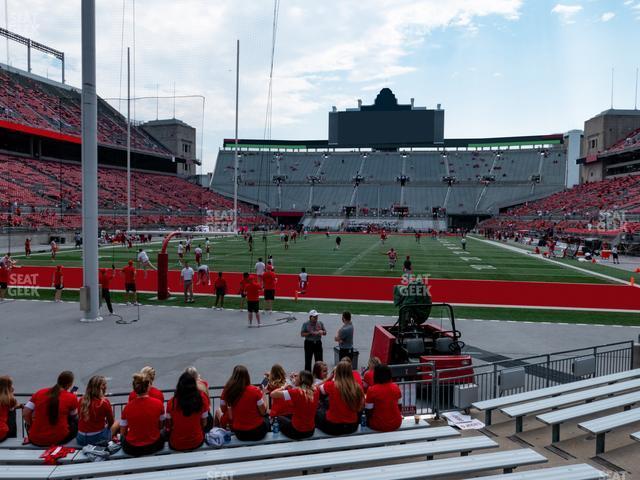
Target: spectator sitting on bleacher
x,y
95,417
276,379
383,401
346,400
142,419
51,413
368,377
8,406
187,414
320,372
150,374
203,386
302,401
242,406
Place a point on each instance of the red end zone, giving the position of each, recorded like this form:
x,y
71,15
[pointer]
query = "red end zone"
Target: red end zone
x,y
377,289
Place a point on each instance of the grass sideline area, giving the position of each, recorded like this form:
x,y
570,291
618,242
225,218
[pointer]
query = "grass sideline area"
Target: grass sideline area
x,y
359,255
484,313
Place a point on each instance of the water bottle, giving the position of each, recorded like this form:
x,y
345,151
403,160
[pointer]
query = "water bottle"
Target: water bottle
x,y
275,428
363,421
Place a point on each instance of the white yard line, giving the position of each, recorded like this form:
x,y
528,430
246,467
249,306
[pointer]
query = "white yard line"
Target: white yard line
x,y
544,259
355,259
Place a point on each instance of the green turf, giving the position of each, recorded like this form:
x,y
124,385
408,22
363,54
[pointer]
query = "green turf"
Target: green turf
x,y
517,314
360,255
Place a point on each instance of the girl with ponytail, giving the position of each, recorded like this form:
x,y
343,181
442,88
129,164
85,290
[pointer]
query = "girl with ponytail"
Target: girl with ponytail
x,y
8,406
51,413
302,401
96,423
346,400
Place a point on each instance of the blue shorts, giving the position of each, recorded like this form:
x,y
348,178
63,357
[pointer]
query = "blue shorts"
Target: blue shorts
x,y
103,436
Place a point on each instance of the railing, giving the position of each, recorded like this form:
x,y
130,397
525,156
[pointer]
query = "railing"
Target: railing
x,y
426,390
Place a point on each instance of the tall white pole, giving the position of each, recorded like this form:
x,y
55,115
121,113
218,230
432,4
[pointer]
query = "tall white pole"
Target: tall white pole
x,y
635,103
128,142
235,152
89,165
612,72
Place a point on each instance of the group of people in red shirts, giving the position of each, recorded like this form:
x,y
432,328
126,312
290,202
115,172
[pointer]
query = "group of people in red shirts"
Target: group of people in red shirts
x,y
295,405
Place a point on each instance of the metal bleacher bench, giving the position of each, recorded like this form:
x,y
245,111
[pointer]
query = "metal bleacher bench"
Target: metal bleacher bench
x,y
558,417
600,426
635,436
488,406
506,460
523,409
581,471
296,464
289,449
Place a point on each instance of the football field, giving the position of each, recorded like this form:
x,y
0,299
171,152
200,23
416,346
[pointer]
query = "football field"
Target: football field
x,y
360,255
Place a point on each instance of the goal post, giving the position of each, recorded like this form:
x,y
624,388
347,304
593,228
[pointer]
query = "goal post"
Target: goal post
x,y
162,264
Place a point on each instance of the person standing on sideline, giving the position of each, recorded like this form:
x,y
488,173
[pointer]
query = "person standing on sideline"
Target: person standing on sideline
x,y
180,253
130,292
253,300
304,280
221,290
207,248
614,254
106,276
407,268
27,247
54,249
243,289
269,280
344,337
312,331
260,268
463,241
58,284
187,281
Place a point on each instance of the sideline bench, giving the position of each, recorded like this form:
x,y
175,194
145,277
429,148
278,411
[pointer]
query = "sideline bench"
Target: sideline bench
x,y
581,471
558,417
28,457
520,411
600,426
235,455
323,461
488,406
505,460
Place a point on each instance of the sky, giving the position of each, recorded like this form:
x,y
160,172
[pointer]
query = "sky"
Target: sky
x,y
498,67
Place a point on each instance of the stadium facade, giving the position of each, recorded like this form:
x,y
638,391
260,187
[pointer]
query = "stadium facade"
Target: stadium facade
x,y
390,163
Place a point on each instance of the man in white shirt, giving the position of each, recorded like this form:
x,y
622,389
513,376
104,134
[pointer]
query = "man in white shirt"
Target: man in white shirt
x,y
304,278
198,254
187,281
180,253
260,267
143,260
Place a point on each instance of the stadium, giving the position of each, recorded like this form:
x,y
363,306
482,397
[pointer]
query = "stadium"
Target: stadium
x,y
492,283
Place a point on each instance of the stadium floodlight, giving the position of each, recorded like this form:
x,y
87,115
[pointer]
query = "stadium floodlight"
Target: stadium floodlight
x,y
279,179
357,180
313,179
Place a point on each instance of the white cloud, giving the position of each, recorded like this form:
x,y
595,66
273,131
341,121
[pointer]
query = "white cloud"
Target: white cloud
x,y
607,16
566,12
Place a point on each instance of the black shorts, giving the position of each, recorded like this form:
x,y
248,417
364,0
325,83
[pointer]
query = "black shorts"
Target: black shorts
x,y
253,307
58,287
269,294
3,286
130,287
220,292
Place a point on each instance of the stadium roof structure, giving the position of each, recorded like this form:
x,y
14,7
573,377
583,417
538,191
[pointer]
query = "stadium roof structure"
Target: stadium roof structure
x,y
490,142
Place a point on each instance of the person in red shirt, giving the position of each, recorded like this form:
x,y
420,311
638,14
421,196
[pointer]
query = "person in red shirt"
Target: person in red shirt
x,y
346,400
150,374
187,414
4,279
142,420
383,402
51,413
27,247
367,378
242,407
303,400
203,386
95,417
243,289
57,283
269,280
8,407
129,273
252,290
274,380
220,286
106,276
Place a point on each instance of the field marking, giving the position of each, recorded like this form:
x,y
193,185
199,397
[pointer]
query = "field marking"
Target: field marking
x,y
526,252
356,258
